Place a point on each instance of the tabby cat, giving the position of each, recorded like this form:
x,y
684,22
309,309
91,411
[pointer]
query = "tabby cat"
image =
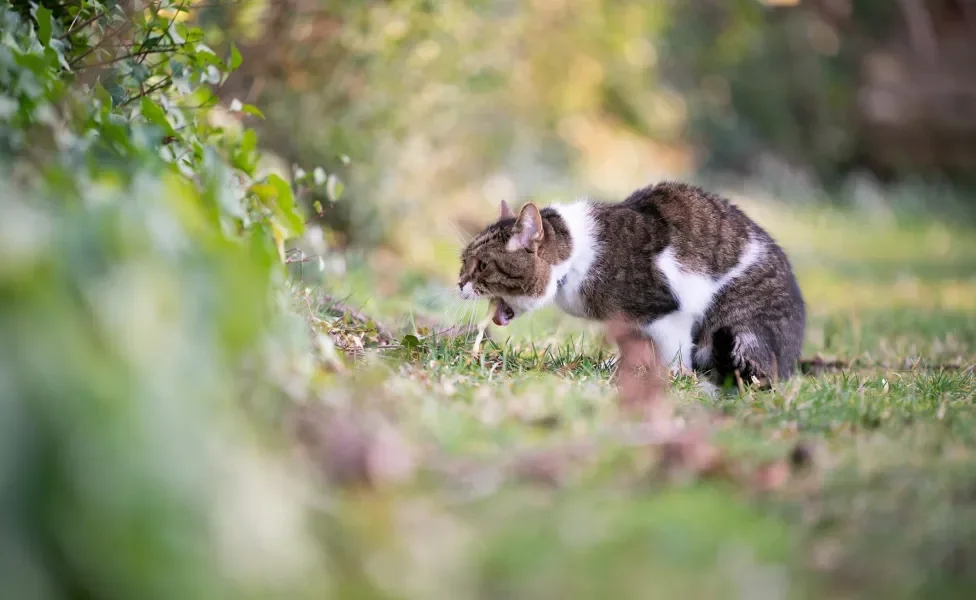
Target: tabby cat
x,y
682,265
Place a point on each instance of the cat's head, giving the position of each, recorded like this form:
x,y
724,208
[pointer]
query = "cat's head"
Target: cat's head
x,y
511,261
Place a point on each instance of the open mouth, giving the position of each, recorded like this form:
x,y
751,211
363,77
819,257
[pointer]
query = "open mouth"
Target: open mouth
x,y
503,313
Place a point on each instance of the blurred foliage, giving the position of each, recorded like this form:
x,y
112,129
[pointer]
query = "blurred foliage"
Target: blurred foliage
x,y
143,304
444,103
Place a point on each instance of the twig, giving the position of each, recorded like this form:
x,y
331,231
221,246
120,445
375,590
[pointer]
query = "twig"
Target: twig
x,y
303,259
166,32
126,23
75,29
141,52
165,82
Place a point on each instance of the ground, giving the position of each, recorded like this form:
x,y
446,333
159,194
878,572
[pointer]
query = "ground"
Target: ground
x,y
857,480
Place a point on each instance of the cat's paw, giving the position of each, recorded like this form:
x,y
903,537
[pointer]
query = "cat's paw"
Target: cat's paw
x,y
752,373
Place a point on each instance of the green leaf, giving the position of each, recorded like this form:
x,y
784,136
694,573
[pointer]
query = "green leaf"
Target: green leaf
x,y
245,156
286,204
235,59
33,62
155,114
264,191
249,141
252,110
410,341
202,97
140,72
101,94
204,56
43,16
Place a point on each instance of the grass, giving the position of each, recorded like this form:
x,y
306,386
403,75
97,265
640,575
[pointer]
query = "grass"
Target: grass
x,y
879,502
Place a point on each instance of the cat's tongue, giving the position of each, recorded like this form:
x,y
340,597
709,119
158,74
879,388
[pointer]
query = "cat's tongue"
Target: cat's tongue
x,y
503,313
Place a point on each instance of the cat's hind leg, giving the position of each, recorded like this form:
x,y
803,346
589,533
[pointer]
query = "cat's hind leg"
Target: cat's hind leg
x,y
741,354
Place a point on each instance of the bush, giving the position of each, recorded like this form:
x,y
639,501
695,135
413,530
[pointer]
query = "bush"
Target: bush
x,y
143,306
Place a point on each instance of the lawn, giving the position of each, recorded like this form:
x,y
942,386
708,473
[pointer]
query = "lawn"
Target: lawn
x,y
854,480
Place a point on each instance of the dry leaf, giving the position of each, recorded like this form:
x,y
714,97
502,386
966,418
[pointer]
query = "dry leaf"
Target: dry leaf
x,y
771,476
351,452
690,454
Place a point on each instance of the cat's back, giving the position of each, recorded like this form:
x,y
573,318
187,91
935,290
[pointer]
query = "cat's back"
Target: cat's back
x,y
685,207
705,231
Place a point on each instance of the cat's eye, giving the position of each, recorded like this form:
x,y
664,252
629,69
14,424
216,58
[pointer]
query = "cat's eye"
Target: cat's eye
x,y
481,266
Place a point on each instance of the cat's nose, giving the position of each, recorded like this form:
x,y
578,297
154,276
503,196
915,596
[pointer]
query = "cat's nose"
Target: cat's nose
x,y
466,290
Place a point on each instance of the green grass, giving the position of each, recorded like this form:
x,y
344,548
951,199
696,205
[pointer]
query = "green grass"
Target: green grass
x,y
886,509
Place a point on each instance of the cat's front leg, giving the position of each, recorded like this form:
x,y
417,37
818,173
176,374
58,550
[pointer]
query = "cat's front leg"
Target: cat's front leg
x,y
672,338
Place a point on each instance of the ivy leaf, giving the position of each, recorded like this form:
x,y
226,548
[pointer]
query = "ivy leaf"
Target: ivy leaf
x,y
155,114
235,59
263,190
286,204
252,110
43,16
245,157
140,73
248,109
202,97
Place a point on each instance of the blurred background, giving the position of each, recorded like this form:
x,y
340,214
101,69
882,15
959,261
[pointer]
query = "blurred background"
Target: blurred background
x,y
215,213
447,107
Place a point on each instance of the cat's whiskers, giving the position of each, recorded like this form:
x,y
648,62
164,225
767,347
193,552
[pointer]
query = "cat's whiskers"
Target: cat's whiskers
x,y
468,316
460,236
455,311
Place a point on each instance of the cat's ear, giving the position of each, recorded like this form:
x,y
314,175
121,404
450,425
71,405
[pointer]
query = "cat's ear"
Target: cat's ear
x,y
527,234
505,211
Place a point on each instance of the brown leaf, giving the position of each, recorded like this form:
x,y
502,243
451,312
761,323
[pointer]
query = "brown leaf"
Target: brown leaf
x,y
551,466
690,454
350,451
771,476
389,459
548,468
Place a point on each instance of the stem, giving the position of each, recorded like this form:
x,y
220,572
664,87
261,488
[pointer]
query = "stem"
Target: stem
x,y
165,82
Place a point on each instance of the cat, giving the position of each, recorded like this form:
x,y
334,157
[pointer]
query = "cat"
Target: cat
x,y
682,265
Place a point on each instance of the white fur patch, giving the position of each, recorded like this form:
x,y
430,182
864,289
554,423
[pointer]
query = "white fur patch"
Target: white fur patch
x,y
582,230
467,292
694,292
672,337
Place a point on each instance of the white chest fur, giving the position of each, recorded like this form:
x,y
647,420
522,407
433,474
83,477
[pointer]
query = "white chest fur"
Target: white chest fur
x,y
694,293
573,272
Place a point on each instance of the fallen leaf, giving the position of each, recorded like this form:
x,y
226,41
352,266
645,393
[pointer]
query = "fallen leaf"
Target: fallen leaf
x,y
352,451
771,476
689,454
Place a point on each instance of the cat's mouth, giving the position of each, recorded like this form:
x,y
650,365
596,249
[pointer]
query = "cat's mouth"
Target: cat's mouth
x,y
503,313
